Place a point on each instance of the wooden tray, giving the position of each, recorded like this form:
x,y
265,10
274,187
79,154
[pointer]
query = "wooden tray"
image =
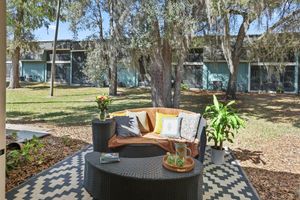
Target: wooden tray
x,y
188,165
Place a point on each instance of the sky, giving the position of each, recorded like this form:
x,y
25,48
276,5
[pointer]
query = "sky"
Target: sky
x,y
43,34
64,32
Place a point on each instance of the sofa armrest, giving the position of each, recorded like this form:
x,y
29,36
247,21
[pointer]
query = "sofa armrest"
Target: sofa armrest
x,y
201,136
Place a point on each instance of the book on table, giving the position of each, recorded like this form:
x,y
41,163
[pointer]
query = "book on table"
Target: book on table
x,y
109,157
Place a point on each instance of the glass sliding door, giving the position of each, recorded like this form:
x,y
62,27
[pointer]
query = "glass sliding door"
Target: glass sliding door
x,y
255,78
78,65
62,72
289,79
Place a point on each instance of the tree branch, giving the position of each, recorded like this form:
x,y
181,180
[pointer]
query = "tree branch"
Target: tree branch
x,y
288,17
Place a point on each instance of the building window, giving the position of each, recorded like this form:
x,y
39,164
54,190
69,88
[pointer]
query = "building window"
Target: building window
x,y
272,78
61,55
192,76
195,55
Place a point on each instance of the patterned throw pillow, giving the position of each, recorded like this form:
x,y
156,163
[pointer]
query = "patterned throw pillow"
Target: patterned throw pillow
x,y
142,120
127,126
171,127
189,125
158,121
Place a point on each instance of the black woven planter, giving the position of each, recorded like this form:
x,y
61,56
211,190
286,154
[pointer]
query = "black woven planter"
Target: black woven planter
x,y
102,132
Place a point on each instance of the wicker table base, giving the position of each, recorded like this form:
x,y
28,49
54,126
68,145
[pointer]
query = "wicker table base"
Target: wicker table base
x,y
140,179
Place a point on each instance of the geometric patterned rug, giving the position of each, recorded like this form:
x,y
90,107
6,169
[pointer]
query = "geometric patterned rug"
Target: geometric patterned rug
x,y
227,181
64,181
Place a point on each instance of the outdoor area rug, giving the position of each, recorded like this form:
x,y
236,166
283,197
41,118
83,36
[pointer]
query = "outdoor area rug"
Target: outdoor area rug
x,y
65,181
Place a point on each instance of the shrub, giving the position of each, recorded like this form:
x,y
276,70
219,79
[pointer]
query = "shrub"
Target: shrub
x,y
28,153
184,87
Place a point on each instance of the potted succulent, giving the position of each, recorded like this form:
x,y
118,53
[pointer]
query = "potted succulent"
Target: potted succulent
x,y
223,125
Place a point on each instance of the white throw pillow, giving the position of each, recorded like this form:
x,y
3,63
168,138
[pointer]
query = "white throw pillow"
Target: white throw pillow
x,y
171,127
189,125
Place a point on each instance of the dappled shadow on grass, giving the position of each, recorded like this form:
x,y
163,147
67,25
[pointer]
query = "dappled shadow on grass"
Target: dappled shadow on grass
x,y
49,102
197,101
115,107
275,108
73,115
273,185
85,114
13,114
43,86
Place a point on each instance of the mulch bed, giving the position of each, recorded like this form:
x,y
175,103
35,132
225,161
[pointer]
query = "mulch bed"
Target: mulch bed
x,y
274,169
62,143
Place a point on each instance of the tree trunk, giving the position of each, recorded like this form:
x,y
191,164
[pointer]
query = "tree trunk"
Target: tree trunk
x,y
161,69
232,54
15,71
232,83
16,54
178,79
54,49
142,68
113,79
161,87
100,20
157,81
167,73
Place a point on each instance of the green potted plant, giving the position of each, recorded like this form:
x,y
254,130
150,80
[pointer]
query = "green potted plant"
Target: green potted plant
x,y
224,123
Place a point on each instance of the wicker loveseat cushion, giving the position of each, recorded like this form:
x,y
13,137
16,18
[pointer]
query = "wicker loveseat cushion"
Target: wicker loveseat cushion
x,y
151,137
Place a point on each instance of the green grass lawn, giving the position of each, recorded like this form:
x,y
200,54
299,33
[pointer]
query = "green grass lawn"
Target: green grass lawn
x,y
70,105
267,115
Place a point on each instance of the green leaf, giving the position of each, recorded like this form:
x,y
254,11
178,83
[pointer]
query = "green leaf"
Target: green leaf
x,y
230,103
216,103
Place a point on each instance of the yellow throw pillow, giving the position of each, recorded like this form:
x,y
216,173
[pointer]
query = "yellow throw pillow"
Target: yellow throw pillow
x,y
158,121
121,114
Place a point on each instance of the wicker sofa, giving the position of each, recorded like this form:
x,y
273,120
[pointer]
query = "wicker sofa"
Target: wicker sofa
x,y
149,144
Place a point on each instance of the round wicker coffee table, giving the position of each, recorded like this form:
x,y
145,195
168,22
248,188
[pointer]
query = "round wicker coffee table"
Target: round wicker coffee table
x,y
140,179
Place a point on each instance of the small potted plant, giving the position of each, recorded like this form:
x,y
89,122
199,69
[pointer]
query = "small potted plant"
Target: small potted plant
x,y
103,102
224,124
